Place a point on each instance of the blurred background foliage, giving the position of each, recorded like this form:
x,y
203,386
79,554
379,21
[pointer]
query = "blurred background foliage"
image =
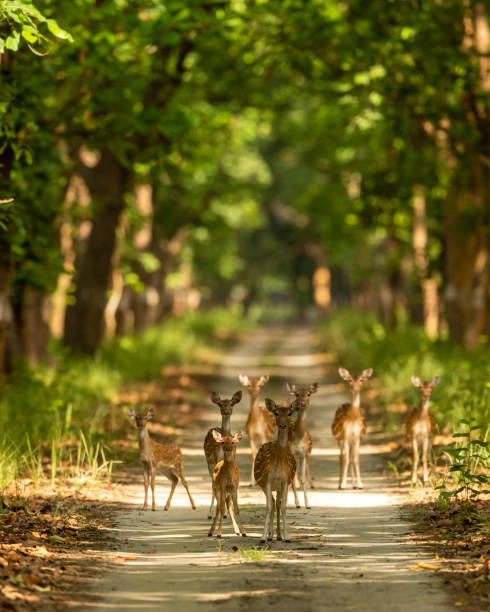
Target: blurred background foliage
x,y
273,158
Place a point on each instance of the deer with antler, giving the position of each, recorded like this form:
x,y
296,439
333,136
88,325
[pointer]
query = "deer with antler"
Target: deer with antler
x,y
274,470
167,457
261,425
212,449
300,441
226,478
348,428
420,426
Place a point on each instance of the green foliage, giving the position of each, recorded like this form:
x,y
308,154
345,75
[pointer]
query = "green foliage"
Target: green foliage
x,y
469,459
360,341
57,414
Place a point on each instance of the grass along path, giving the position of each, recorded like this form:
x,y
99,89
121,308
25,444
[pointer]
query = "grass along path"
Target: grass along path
x,y
351,551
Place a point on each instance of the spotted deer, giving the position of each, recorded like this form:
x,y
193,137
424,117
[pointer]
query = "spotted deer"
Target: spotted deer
x,y
300,441
420,426
167,457
261,425
212,450
348,427
226,478
274,470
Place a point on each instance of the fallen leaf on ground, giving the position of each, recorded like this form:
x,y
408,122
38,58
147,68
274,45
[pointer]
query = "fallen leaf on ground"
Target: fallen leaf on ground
x,y
123,559
426,566
150,550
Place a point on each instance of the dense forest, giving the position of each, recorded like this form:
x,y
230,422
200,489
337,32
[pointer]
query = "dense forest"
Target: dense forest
x,y
160,156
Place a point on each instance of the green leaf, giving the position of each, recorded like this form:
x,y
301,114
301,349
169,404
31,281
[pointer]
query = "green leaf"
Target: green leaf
x,y
55,29
12,43
30,34
460,435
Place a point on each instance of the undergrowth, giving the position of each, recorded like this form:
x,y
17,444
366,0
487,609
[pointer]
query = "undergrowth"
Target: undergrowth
x,y
54,417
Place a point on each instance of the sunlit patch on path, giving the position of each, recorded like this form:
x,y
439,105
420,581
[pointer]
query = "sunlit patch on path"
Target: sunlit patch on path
x,y
351,551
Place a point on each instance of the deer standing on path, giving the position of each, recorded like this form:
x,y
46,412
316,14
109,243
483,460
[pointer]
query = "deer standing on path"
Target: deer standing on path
x,y
226,477
348,427
300,441
274,470
212,449
420,425
167,457
261,424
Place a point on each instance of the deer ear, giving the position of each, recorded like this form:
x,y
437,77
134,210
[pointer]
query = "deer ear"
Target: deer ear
x,y
367,373
435,381
237,437
131,413
291,388
415,381
292,408
314,388
217,436
270,404
215,398
345,374
263,380
150,413
243,379
237,396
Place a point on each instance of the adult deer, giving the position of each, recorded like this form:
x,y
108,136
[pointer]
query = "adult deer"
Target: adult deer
x,y
420,426
226,477
300,441
261,425
274,470
212,450
167,457
348,427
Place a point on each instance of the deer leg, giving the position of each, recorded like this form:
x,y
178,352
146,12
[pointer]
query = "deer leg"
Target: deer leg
x,y
222,509
152,484
345,453
415,460
272,518
308,474
284,508
146,479
184,482
253,451
303,481
268,497
425,452
174,480
231,514
211,531
237,513
356,458
210,512
293,484
352,464
278,515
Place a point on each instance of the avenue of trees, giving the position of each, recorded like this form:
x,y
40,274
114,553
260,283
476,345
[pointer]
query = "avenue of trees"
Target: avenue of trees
x,y
158,155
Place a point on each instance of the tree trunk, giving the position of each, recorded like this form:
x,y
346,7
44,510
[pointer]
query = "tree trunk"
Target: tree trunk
x,y
430,297
84,323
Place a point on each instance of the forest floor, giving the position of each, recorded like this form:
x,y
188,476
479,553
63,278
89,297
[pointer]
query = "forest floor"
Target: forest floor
x,y
354,550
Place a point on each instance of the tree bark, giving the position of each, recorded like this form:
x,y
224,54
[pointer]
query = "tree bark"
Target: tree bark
x,y
107,181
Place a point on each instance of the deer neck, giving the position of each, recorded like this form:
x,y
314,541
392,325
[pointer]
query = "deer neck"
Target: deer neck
x,y
144,441
355,404
255,411
300,425
424,404
229,462
282,440
225,424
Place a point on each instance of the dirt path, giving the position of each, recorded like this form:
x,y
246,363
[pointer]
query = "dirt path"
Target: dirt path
x,y
350,552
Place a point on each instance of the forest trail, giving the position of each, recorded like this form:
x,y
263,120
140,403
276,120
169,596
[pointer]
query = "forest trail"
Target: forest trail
x,y
351,551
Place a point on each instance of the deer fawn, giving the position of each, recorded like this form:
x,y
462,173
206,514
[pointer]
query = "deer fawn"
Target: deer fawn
x,y
274,470
212,449
167,457
420,425
226,477
261,425
300,441
348,427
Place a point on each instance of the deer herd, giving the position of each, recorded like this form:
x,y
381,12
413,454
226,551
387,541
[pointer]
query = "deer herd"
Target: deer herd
x,y
280,445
